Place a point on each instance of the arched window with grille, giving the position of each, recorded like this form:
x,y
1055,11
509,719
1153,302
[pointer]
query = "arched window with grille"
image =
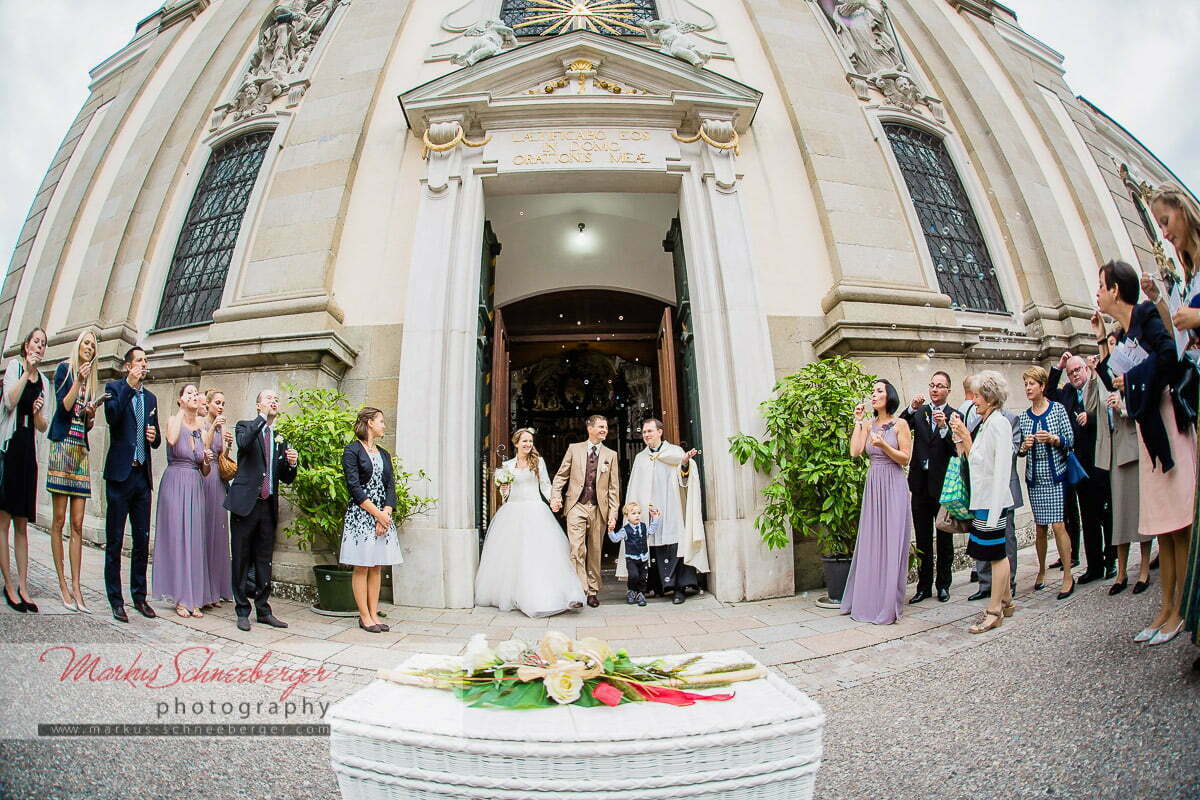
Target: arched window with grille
x,y
200,265
961,260
550,17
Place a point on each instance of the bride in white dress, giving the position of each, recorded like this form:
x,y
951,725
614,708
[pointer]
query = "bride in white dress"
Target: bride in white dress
x,y
526,560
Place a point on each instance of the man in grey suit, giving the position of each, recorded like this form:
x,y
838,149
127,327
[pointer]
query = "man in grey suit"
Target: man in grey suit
x,y
984,568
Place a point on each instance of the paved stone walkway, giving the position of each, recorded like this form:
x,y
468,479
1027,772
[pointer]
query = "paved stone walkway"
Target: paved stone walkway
x,y
791,634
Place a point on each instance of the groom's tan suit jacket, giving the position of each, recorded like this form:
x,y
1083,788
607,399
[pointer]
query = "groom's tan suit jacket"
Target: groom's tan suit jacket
x,y
608,481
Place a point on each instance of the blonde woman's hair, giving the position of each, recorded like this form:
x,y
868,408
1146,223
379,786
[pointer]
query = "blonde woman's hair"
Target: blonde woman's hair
x,y
74,363
1180,200
1036,374
534,455
993,388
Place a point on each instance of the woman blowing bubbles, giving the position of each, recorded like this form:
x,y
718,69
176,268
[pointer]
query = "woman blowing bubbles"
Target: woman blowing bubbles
x,y
879,570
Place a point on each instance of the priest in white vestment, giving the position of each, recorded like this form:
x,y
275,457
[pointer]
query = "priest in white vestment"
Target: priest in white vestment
x,y
667,477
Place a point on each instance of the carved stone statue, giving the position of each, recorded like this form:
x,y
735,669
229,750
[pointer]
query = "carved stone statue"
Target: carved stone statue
x,y
862,26
899,89
491,37
671,36
285,44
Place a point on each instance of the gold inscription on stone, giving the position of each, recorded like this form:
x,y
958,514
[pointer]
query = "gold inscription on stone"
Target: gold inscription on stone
x,y
581,146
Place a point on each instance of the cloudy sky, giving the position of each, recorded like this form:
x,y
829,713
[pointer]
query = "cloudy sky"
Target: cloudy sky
x,y
1136,60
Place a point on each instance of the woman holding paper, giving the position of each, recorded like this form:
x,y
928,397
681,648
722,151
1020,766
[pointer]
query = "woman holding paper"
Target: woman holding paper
x,y
1167,464
1179,218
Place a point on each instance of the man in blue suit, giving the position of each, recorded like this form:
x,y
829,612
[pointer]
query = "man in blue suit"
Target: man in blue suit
x,y
132,414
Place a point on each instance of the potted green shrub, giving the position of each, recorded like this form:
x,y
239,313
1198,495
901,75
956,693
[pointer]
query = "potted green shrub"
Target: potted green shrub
x,y
319,424
816,487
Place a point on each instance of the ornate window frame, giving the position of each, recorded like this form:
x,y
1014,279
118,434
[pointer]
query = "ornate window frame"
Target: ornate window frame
x,y
1140,193
976,195
172,223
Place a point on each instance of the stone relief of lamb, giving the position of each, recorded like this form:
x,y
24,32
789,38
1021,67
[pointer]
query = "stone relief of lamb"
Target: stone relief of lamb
x,y
492,36
671,36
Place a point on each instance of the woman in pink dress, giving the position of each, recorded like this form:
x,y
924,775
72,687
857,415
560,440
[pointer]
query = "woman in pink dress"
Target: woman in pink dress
x,y
218,437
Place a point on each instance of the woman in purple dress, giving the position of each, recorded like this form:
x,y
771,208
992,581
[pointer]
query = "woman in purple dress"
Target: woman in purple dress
x,y
218,437
879,570
180,556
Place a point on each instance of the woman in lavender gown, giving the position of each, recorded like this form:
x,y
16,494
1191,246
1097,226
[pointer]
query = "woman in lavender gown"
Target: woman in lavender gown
x,y
879,570
180,557
218,437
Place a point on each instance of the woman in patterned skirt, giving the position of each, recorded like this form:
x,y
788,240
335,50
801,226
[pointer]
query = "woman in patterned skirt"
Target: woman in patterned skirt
x,y
1046,438
68,477
369,538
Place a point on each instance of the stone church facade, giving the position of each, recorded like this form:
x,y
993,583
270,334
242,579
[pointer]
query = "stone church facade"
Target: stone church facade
x,y
413,201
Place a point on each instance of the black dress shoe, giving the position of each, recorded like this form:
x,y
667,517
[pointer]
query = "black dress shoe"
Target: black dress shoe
x,y
273,621
974,576
679,597
119,614
144,609
1110,571
243,623
1088,577
593,601
1117,588
1056,564
17,605
919,596
980,595
943,595
1141,586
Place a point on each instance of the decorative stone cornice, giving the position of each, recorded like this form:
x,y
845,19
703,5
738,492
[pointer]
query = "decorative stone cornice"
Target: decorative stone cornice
x,y
495,93
323,350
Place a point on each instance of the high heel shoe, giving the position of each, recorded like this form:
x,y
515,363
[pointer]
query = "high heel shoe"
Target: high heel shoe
x,y
1118,587
1141,586
984,625
30,606
1145,635
16,605
1162,637
1040,583
1068,592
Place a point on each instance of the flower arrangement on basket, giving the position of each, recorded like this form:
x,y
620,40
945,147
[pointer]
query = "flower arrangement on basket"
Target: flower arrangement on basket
x,y
559,671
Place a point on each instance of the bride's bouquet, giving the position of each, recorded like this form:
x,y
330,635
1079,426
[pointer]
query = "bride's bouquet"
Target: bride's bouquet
x,y
503,477
559,671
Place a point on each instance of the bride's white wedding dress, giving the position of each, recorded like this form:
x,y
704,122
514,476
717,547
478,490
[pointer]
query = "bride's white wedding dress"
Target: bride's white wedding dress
x,y
526,560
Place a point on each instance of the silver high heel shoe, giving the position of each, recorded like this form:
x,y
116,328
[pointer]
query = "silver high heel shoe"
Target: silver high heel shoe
x,y
1162,637
1145,635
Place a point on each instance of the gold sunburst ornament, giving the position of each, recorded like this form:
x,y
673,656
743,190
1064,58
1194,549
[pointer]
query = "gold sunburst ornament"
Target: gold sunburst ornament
x,y
615,17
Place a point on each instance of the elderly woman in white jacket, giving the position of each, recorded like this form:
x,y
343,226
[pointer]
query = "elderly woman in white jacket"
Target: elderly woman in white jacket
x,y
988,453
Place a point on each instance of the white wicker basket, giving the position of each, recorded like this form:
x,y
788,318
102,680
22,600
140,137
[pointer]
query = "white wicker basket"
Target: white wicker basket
x,y
391,741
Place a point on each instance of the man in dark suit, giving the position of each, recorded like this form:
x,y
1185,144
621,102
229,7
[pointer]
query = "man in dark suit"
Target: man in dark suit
x,y
132,414
932,449
264,460
1093,494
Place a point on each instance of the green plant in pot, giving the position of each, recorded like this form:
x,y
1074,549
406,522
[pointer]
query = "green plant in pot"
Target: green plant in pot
x,y
319,423
816,487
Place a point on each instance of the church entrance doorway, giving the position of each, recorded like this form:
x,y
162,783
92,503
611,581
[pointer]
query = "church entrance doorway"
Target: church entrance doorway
x,y
550,360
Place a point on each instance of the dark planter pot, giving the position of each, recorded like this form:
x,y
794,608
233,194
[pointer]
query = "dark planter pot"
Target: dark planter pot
x,y
837,569
334,593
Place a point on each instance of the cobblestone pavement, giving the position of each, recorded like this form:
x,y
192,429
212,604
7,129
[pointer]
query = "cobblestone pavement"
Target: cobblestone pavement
x,y
1057,702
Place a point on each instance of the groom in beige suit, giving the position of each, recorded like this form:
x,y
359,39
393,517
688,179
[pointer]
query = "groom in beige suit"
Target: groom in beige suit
x,y
589,473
